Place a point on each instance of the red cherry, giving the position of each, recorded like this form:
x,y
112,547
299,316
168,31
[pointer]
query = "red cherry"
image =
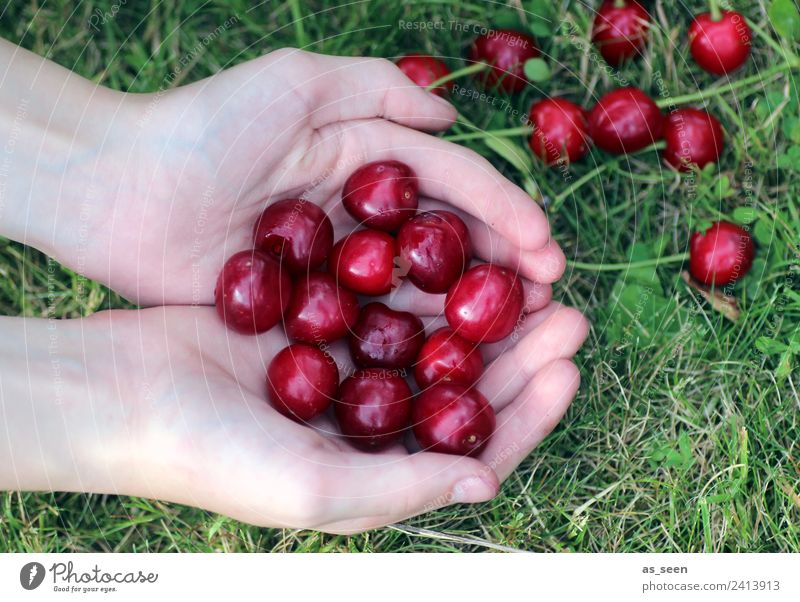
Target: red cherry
x,y
423,70
320,311
620,30
382,195
302,381
452,419
448,358
363,262
435,247
373,408
506,51
252,292
559,131
385,338
485,304
625,120
721,255
295,231
722,46
693,138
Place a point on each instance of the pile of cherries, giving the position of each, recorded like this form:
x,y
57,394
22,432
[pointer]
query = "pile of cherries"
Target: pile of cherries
x,y
295,274
624,120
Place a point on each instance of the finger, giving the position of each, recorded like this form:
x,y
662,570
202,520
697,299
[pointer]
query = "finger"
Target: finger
x,y
537,411
559,335
369,491
455,175
545,265
408,297
339,88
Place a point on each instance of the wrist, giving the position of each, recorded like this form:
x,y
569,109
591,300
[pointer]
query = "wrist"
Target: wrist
x,y
65,427
66,143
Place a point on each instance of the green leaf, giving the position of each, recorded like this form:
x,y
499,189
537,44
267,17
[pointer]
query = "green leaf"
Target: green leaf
x,y
784,368
541,28
764,232
744,215
769,346
537,70
785,19
507,19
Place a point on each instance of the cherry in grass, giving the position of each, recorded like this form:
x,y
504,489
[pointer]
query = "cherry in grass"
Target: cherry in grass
x,y
620,30
252,292
423,70
302,381
720,45
373,408
452,419
363,262
485,303
625,120
447,357
296,232
385,338
693,138
435,247
720,255
319,310
382,195
506,51
559,131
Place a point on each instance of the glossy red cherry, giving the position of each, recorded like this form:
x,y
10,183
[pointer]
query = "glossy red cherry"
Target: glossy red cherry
x,y
559,131
302,381
435,247
452,419
625,120
252,292
423,70
693,138
506,51
721,255
296,232
485,304
448,358
320,311
382,195
721,46
385,338
373,408
363,262
620,30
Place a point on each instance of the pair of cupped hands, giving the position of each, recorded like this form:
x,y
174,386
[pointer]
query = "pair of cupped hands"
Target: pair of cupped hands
x,y
179,181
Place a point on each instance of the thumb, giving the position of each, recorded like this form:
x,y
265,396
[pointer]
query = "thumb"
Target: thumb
x,y
376,490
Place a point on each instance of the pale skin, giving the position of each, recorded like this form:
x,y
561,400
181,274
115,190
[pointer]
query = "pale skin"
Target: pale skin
x,y
149,194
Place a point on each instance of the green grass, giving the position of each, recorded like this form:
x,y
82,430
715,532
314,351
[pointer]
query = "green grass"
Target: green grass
x,y
685,435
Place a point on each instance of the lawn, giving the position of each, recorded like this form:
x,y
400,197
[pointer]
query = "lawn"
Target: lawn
x,y
685,435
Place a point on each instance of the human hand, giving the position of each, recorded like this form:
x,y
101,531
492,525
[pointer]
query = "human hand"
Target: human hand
x,y
193,425
205,159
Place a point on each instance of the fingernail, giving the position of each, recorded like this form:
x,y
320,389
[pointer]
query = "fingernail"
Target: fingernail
x,y
473,490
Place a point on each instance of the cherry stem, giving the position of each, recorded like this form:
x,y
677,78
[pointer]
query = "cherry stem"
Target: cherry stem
x,y
504,133
616,267
590,175
716,13
727,87
476,68
619,3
